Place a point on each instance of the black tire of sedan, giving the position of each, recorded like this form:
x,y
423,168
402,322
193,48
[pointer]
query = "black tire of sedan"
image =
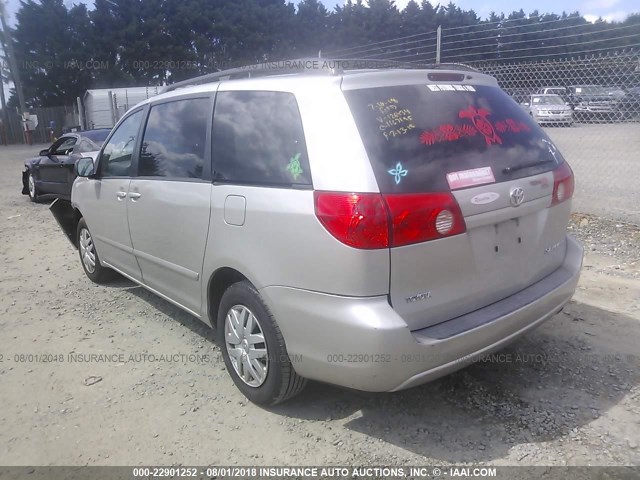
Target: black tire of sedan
x,y
33,190
253,348
89,256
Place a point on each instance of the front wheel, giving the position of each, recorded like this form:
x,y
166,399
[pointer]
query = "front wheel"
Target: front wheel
x,y
33,190
253,347
89,256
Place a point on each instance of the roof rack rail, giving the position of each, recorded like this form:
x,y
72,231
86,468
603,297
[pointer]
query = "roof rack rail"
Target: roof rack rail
x,y
309,65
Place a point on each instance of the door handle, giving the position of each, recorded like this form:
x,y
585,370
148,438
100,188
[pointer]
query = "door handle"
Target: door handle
x,y
121,195
134,195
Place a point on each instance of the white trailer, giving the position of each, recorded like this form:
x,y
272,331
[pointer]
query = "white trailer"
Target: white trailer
x,y
102,108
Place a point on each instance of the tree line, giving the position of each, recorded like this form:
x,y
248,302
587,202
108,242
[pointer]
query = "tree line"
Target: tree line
x,y
62,51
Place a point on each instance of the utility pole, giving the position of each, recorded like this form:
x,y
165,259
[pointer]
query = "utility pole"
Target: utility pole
x,y
5,114
438,42
11,57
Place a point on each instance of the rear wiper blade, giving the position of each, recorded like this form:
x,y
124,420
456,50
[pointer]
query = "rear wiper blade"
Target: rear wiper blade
x,y
526,165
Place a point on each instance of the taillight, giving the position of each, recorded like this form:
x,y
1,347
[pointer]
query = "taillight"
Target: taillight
x,y
359,220
418,218
563,184
372,220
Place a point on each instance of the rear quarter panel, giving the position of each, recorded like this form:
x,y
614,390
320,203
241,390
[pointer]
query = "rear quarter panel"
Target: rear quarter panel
x,y
281,242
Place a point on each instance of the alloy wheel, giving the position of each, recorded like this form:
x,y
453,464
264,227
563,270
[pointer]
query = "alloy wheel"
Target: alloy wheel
x,y
32,186
246,346
87,251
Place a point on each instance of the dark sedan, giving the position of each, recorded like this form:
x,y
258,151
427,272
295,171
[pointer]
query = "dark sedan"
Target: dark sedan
x,y
51,172
592,102
629,105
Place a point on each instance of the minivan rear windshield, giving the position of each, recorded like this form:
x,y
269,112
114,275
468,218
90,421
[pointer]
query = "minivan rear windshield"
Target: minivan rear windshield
x,y
428,138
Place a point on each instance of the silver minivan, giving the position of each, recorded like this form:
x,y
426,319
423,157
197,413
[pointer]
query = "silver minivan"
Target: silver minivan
x,y
373,229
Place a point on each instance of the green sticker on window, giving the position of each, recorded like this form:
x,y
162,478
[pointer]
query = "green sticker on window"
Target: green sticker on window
x,y
294,167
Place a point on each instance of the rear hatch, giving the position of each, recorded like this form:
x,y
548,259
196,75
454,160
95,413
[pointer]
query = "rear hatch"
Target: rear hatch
x,y
474,150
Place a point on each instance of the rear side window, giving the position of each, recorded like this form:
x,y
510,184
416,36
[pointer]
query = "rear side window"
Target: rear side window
x,y
258,139
86,145
97,136
173,144
64,146
430,138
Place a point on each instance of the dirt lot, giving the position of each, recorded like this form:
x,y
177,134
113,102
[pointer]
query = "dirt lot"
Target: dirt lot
x,y
566,394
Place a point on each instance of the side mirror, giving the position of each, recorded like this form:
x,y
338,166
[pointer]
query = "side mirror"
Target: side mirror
x,y
84,167
44,153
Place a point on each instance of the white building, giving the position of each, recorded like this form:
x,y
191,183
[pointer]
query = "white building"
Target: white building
x,y
102,108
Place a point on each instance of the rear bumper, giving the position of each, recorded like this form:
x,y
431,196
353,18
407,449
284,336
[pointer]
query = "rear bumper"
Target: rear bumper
x,y
362,343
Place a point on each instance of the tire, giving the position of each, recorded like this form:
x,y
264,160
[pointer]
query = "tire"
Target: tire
x,y
270,378
89,256
34,195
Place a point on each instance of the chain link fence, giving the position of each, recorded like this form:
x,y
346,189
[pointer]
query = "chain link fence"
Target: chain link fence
x,y
590,107
587,99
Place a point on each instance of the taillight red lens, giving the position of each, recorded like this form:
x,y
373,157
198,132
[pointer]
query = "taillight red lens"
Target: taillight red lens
x,y
356,219
421,217
372,220
563,184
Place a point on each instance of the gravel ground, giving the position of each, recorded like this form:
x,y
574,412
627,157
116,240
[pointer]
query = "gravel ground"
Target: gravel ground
x,y
604,158
618,241
566,394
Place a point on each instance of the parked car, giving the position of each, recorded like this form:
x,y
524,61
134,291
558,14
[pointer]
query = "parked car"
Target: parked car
x,y
554,91
592,102
628,107
369,229
520,95
616,93
550,110
51,172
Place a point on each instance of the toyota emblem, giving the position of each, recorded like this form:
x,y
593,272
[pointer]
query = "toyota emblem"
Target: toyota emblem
x,y
517,196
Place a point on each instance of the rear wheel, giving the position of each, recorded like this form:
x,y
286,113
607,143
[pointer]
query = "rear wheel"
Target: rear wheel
x,y
89,256
33,190
253,348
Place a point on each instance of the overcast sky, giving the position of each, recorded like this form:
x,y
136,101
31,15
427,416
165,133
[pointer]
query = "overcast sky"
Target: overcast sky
x,y
591,9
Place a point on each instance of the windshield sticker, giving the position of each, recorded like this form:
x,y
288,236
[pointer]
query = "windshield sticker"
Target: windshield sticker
x,y
294,167
468,178
393,120
398,172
